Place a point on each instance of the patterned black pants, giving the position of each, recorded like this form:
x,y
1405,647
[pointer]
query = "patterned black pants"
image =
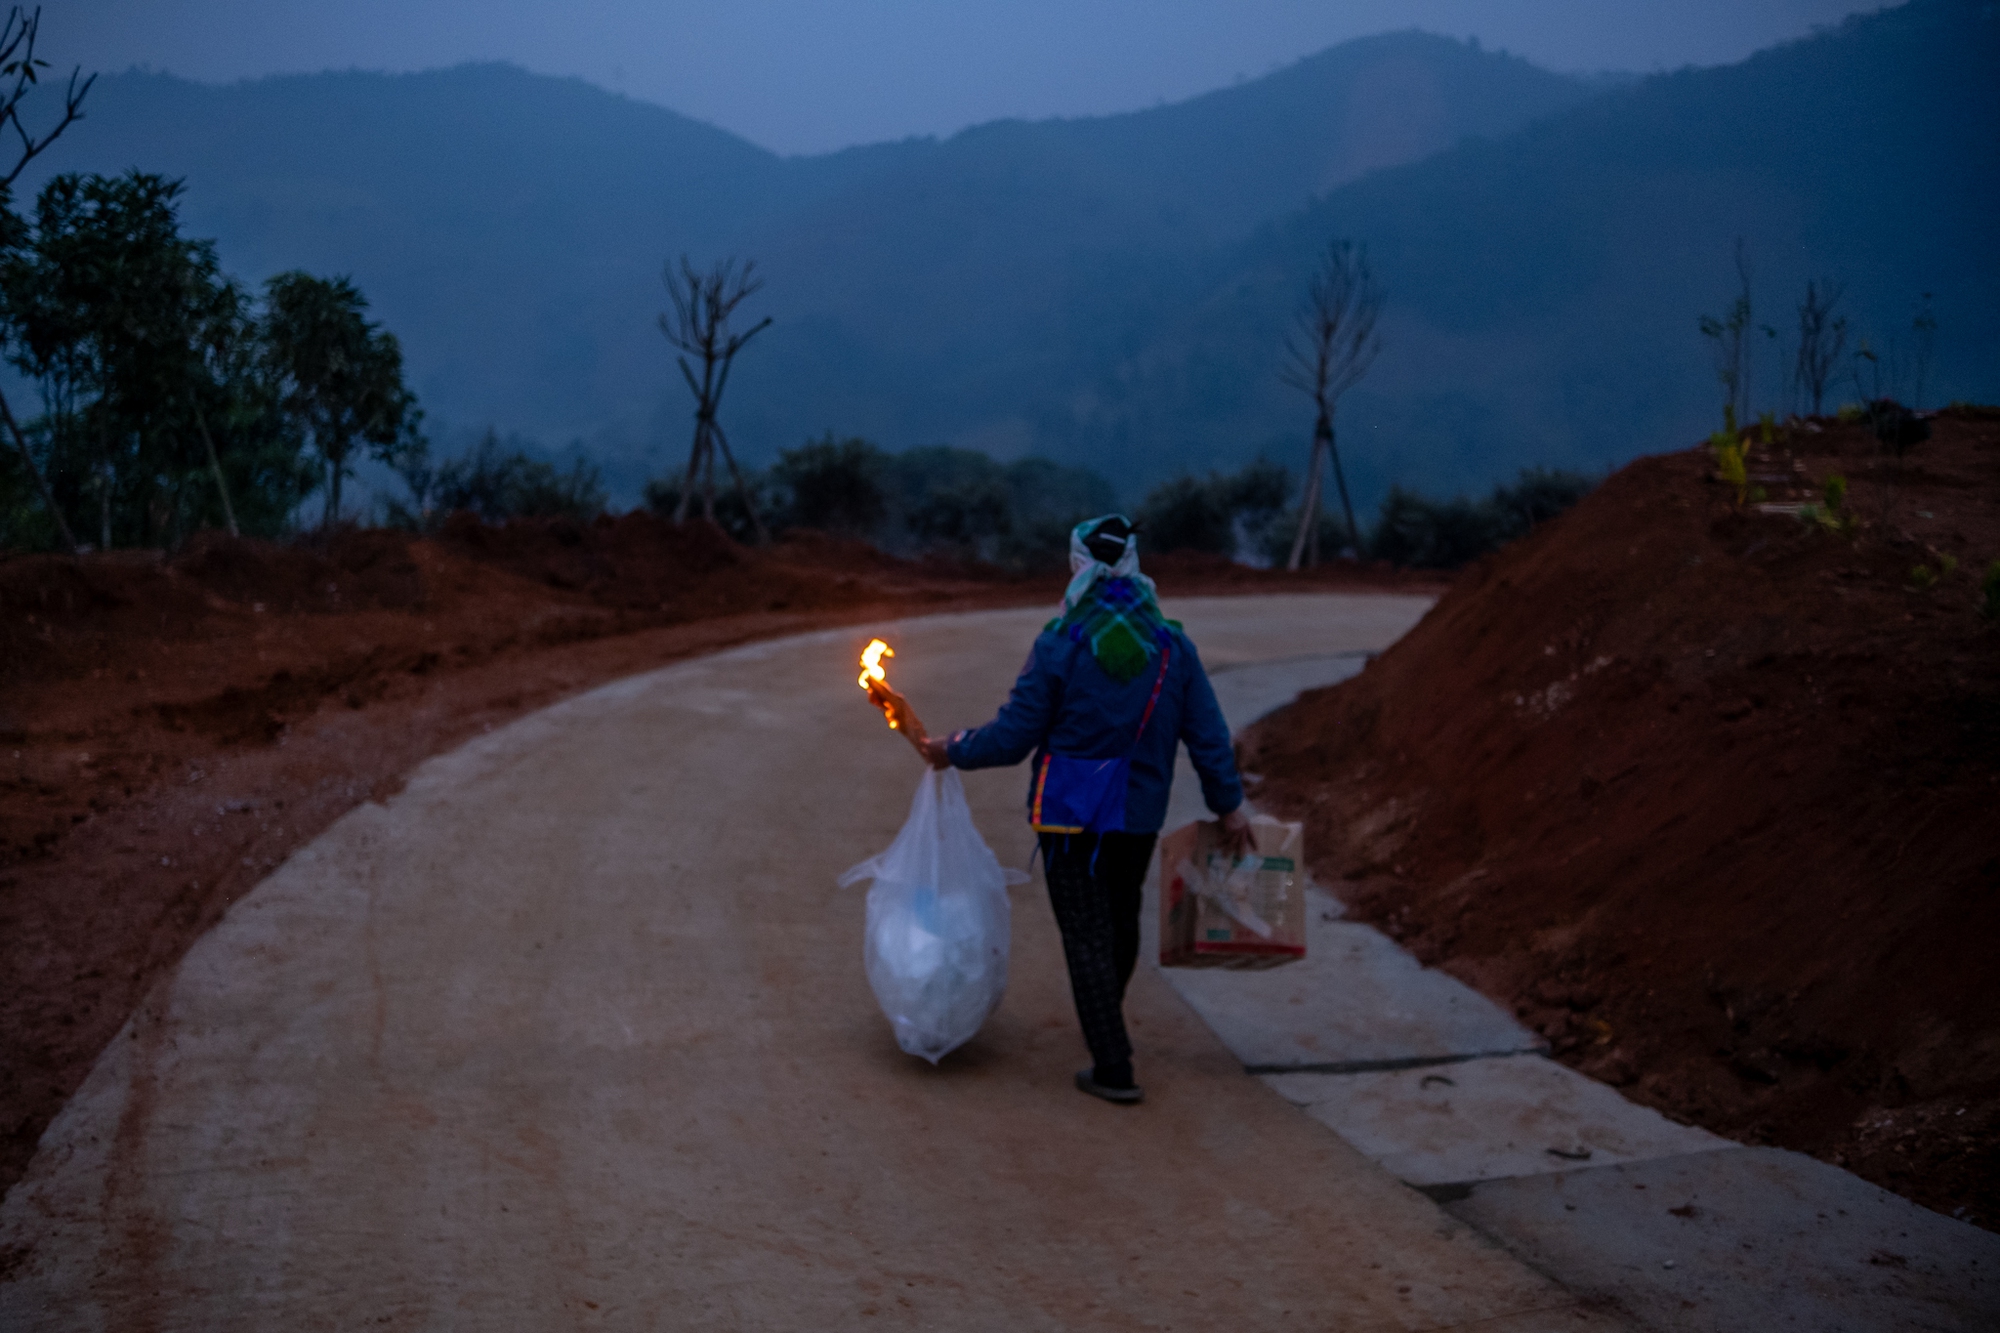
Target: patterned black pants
x,y
1096,894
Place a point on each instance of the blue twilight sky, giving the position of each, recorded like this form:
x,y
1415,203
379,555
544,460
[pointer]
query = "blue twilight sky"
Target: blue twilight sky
x,y
803,76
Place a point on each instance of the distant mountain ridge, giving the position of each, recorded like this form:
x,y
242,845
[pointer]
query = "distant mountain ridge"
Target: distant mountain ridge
x,y
1114,290
1545,287
511,227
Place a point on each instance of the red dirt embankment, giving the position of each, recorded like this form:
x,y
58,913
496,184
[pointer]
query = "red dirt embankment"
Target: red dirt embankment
x,y
1712,797
171,729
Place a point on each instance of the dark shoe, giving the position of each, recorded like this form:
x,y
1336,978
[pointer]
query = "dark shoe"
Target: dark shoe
x,y
1123,1096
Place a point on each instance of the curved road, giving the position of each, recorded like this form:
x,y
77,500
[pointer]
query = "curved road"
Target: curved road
x,y
573,1032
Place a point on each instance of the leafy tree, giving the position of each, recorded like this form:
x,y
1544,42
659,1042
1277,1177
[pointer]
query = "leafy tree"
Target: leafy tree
x,y
259,450
339,375
134,337
158,412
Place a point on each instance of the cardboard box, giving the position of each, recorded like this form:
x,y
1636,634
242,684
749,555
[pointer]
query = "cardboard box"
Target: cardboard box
x,y
1215,913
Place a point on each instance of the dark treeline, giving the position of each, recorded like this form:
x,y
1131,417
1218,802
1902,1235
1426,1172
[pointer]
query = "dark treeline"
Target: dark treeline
x,y
936,500
1251,516
174,399
961,503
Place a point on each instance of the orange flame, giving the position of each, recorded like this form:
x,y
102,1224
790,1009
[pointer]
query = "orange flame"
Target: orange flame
x,y
894,706
871,664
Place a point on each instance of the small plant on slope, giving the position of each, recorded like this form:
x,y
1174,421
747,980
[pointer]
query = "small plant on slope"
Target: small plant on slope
x,y
1831,513
1732,460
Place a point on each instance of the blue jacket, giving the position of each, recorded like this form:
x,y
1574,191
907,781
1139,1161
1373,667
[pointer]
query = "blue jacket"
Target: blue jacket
x,y
1065,702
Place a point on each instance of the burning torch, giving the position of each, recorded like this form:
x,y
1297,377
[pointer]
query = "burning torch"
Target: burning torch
x,y
894,706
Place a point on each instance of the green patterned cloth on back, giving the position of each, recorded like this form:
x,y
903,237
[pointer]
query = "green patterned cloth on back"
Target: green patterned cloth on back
x,y
1113,608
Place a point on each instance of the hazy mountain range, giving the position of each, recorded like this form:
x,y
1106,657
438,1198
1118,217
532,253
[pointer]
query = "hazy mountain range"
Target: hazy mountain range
x,y
1114,291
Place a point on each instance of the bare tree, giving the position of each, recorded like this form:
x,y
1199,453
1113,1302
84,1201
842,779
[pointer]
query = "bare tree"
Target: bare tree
x,y
1327,353
1822,338
699,327
1730,334
19,73
1923,345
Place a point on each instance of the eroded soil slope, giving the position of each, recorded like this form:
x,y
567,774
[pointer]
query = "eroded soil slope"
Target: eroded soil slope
x,y
170,730
1711,796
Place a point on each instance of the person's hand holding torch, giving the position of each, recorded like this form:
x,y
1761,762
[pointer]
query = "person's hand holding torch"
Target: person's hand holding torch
x,y
894,706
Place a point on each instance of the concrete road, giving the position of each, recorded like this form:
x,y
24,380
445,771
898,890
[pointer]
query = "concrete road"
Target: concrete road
x,y
574,1033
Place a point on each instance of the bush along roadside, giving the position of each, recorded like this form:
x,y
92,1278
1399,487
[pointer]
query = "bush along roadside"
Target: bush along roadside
x,y
496,481
1250,515
1420,533
957,503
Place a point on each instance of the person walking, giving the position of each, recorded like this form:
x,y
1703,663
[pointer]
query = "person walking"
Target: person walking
x,y
1110,690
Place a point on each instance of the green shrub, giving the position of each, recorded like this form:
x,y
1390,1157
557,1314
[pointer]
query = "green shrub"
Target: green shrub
x,y
1045,500
1832,513
934,499
1732,460
1187,514
835,486
1536,496
969,517
1237,515
663,498
1426,534
498,481
1421,533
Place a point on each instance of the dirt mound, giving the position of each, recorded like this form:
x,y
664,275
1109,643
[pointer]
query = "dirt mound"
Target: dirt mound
x,y
635,560
1707,792
350,570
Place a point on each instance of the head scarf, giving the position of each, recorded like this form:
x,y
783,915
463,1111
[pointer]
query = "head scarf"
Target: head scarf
x,y
1113,608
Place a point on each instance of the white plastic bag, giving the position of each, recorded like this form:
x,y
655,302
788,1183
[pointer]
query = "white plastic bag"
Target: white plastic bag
x,y
938,922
